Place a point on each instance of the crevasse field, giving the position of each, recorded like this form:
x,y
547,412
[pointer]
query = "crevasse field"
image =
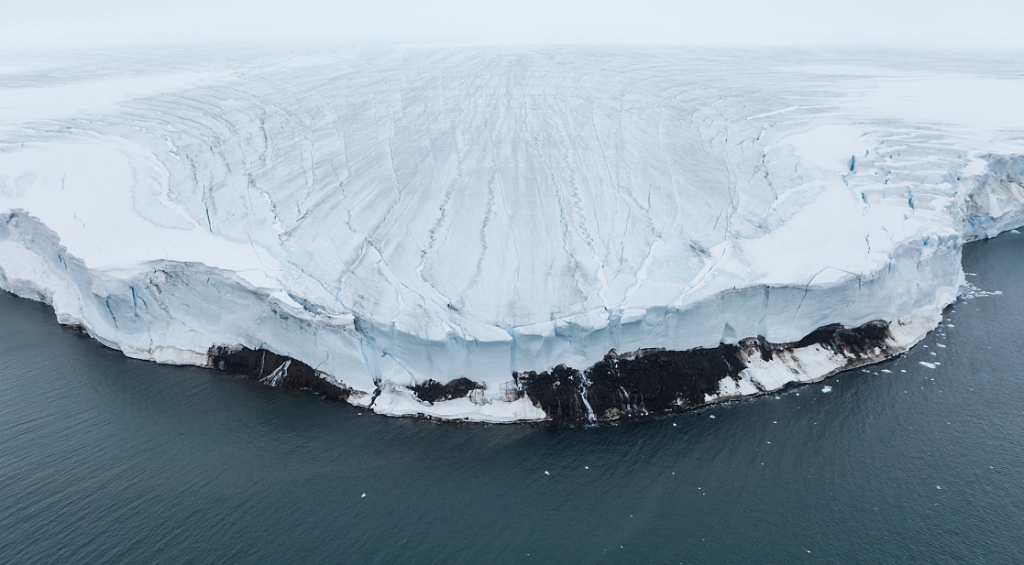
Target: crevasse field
x,y
394,216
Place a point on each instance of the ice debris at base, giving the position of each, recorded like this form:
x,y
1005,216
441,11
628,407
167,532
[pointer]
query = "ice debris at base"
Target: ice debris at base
x,y
968,290
826,389
392,217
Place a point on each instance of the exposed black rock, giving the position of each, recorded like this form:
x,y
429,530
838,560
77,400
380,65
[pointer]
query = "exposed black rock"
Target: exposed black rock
x,y
651,380
630,385
433,391
851,342
275,370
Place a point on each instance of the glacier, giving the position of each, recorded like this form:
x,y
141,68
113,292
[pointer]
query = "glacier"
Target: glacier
x,y
505,234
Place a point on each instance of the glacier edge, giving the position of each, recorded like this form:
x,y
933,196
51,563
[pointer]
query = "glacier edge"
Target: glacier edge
x,y
554,220
34,265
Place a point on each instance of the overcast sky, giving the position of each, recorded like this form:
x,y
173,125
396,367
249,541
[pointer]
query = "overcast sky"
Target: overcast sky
x,y
981,24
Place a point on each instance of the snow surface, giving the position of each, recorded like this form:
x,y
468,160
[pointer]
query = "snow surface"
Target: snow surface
x,y
392,215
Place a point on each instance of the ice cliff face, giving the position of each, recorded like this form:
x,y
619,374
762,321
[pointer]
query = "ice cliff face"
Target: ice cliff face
x,y
471,233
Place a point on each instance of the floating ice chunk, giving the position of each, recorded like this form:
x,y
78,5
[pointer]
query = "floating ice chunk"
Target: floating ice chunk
x,y
546,473
886,371
926,364
826,389
939,345
712,416
363,496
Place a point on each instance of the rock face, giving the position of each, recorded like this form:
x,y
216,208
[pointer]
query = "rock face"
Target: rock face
x,y
652,381
275,370
474,233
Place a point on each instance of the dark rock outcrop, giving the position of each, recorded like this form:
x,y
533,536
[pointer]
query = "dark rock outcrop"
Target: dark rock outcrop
x,y
433,391
275,370
655,380
645,382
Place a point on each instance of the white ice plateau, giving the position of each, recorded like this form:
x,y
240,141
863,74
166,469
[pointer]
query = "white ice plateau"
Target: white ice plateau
x,y
393,215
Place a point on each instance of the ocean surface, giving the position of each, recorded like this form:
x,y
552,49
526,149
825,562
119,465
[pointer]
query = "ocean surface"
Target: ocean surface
x,y
105,459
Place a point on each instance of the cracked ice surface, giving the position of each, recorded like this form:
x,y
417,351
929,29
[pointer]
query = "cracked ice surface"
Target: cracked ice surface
x,y
393,215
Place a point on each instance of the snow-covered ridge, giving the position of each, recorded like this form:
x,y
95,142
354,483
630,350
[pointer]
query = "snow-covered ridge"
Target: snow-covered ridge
x,y
393,217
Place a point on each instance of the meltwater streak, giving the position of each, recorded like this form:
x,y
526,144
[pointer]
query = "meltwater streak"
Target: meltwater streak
x,y
105,459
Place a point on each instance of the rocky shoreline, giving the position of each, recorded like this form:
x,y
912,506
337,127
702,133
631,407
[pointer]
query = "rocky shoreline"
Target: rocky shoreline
x,y
644,383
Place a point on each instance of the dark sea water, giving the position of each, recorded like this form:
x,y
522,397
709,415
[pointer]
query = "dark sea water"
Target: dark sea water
x,y
104,459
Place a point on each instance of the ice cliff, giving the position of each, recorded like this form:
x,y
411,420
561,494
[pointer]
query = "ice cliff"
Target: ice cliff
x,y
505,234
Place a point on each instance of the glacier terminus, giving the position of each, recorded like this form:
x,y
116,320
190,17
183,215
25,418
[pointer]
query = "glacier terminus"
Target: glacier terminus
x,y
502,234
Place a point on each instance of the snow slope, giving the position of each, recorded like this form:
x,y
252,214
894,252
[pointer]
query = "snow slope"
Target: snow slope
x,y
390,216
